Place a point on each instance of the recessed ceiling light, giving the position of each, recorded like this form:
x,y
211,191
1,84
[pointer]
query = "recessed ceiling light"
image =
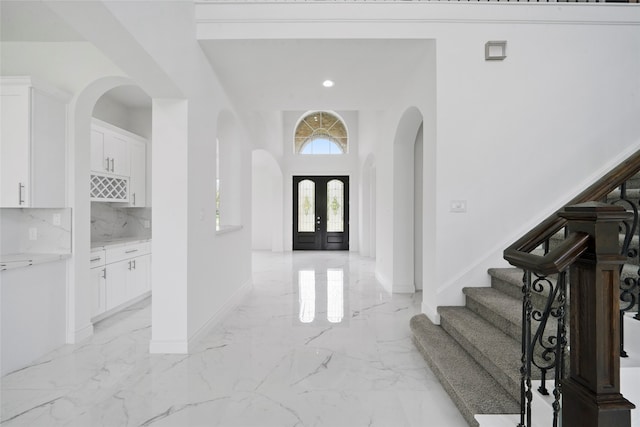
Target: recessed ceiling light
x,y
328,83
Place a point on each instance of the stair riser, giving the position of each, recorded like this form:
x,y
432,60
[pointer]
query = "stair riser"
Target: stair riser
x,y
515,291
507,382
468,414
514,330
509,328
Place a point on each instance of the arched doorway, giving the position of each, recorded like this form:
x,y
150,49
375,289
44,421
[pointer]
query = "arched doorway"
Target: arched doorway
x,y
79,325
404,202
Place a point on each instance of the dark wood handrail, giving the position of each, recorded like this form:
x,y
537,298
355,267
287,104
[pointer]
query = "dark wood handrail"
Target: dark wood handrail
x,y
518,254
557,260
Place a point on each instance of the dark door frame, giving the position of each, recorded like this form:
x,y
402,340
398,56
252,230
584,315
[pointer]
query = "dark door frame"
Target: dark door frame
x,y
321,239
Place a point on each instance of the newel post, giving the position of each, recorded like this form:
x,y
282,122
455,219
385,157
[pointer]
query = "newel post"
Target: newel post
x,y
591,395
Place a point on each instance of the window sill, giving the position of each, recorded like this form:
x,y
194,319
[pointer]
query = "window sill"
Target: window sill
x,y
224,229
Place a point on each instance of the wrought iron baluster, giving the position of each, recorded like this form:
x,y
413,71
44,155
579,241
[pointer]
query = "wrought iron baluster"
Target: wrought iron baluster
x,y
552,345
526,395
561,344
629,286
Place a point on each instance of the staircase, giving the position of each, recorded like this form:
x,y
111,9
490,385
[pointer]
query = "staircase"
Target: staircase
x,y
476,350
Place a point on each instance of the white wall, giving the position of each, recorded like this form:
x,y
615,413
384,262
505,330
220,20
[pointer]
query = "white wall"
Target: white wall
x,y
266,203
518,138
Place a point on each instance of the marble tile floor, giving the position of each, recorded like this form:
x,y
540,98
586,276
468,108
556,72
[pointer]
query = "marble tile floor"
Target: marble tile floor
x,y
317,342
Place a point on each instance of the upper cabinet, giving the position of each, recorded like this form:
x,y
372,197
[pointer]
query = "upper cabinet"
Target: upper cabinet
x,y
138,179
32,144
118,165
109,152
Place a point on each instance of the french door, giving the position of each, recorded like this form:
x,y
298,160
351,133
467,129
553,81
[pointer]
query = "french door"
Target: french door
x,y
320,213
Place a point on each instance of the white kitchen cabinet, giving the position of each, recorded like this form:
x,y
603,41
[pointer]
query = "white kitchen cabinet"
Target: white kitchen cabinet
x,y
138,278
138,177
118,165
117,275
123,277
32,144
109,151
98,280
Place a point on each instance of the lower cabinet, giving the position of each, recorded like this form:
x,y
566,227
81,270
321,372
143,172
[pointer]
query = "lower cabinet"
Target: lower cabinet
x,y
98,290
124,277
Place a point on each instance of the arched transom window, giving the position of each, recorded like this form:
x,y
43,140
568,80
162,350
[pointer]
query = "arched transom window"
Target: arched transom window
x,y
321,132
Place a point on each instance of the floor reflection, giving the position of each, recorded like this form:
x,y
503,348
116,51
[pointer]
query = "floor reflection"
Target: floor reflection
x,y
321,296
307,295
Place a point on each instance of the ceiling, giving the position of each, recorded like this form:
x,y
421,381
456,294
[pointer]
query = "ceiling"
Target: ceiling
x,y
264,75
33,21
129,96
288,74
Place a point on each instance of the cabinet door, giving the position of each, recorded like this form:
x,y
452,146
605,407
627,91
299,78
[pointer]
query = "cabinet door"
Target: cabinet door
x,y
98,159
138,178
116,285
15,146
138,279
116,150
98,291
48,150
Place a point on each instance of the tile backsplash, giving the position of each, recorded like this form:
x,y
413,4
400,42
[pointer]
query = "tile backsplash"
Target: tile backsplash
x,y
35,230
110,222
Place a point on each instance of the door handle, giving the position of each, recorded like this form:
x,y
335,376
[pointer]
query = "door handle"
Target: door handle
x,y
108,158
112,163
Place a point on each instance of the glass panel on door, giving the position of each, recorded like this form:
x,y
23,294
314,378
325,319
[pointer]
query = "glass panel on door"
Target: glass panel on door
x,y
335,206
307,206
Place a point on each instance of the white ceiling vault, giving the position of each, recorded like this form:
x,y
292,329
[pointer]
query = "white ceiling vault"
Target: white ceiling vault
x,y
267,74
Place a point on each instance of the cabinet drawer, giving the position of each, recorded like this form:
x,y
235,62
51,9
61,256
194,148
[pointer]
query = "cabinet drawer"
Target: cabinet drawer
x,y
127,252
97,258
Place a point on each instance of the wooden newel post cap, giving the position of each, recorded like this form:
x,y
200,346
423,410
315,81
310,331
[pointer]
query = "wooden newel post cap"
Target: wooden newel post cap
x,y
601,221
595,212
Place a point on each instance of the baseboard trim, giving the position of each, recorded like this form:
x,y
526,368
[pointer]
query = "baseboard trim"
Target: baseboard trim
x,y
431,312
80,334
235,300
404,288
119,308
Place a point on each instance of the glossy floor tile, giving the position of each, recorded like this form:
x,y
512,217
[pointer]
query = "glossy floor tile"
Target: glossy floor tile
x,y
317,342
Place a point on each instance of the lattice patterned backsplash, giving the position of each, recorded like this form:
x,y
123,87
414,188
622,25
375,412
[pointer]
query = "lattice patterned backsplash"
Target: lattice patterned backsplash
x,y
110,189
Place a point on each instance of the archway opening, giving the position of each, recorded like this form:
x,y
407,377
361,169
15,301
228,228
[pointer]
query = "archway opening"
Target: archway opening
x,y
407,247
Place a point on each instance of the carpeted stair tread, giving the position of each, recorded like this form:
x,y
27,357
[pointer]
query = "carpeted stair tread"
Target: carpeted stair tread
x,y
498,308
472,389
498,353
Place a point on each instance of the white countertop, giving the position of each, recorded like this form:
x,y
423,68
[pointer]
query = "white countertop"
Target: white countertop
x,y
9,261
124,241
